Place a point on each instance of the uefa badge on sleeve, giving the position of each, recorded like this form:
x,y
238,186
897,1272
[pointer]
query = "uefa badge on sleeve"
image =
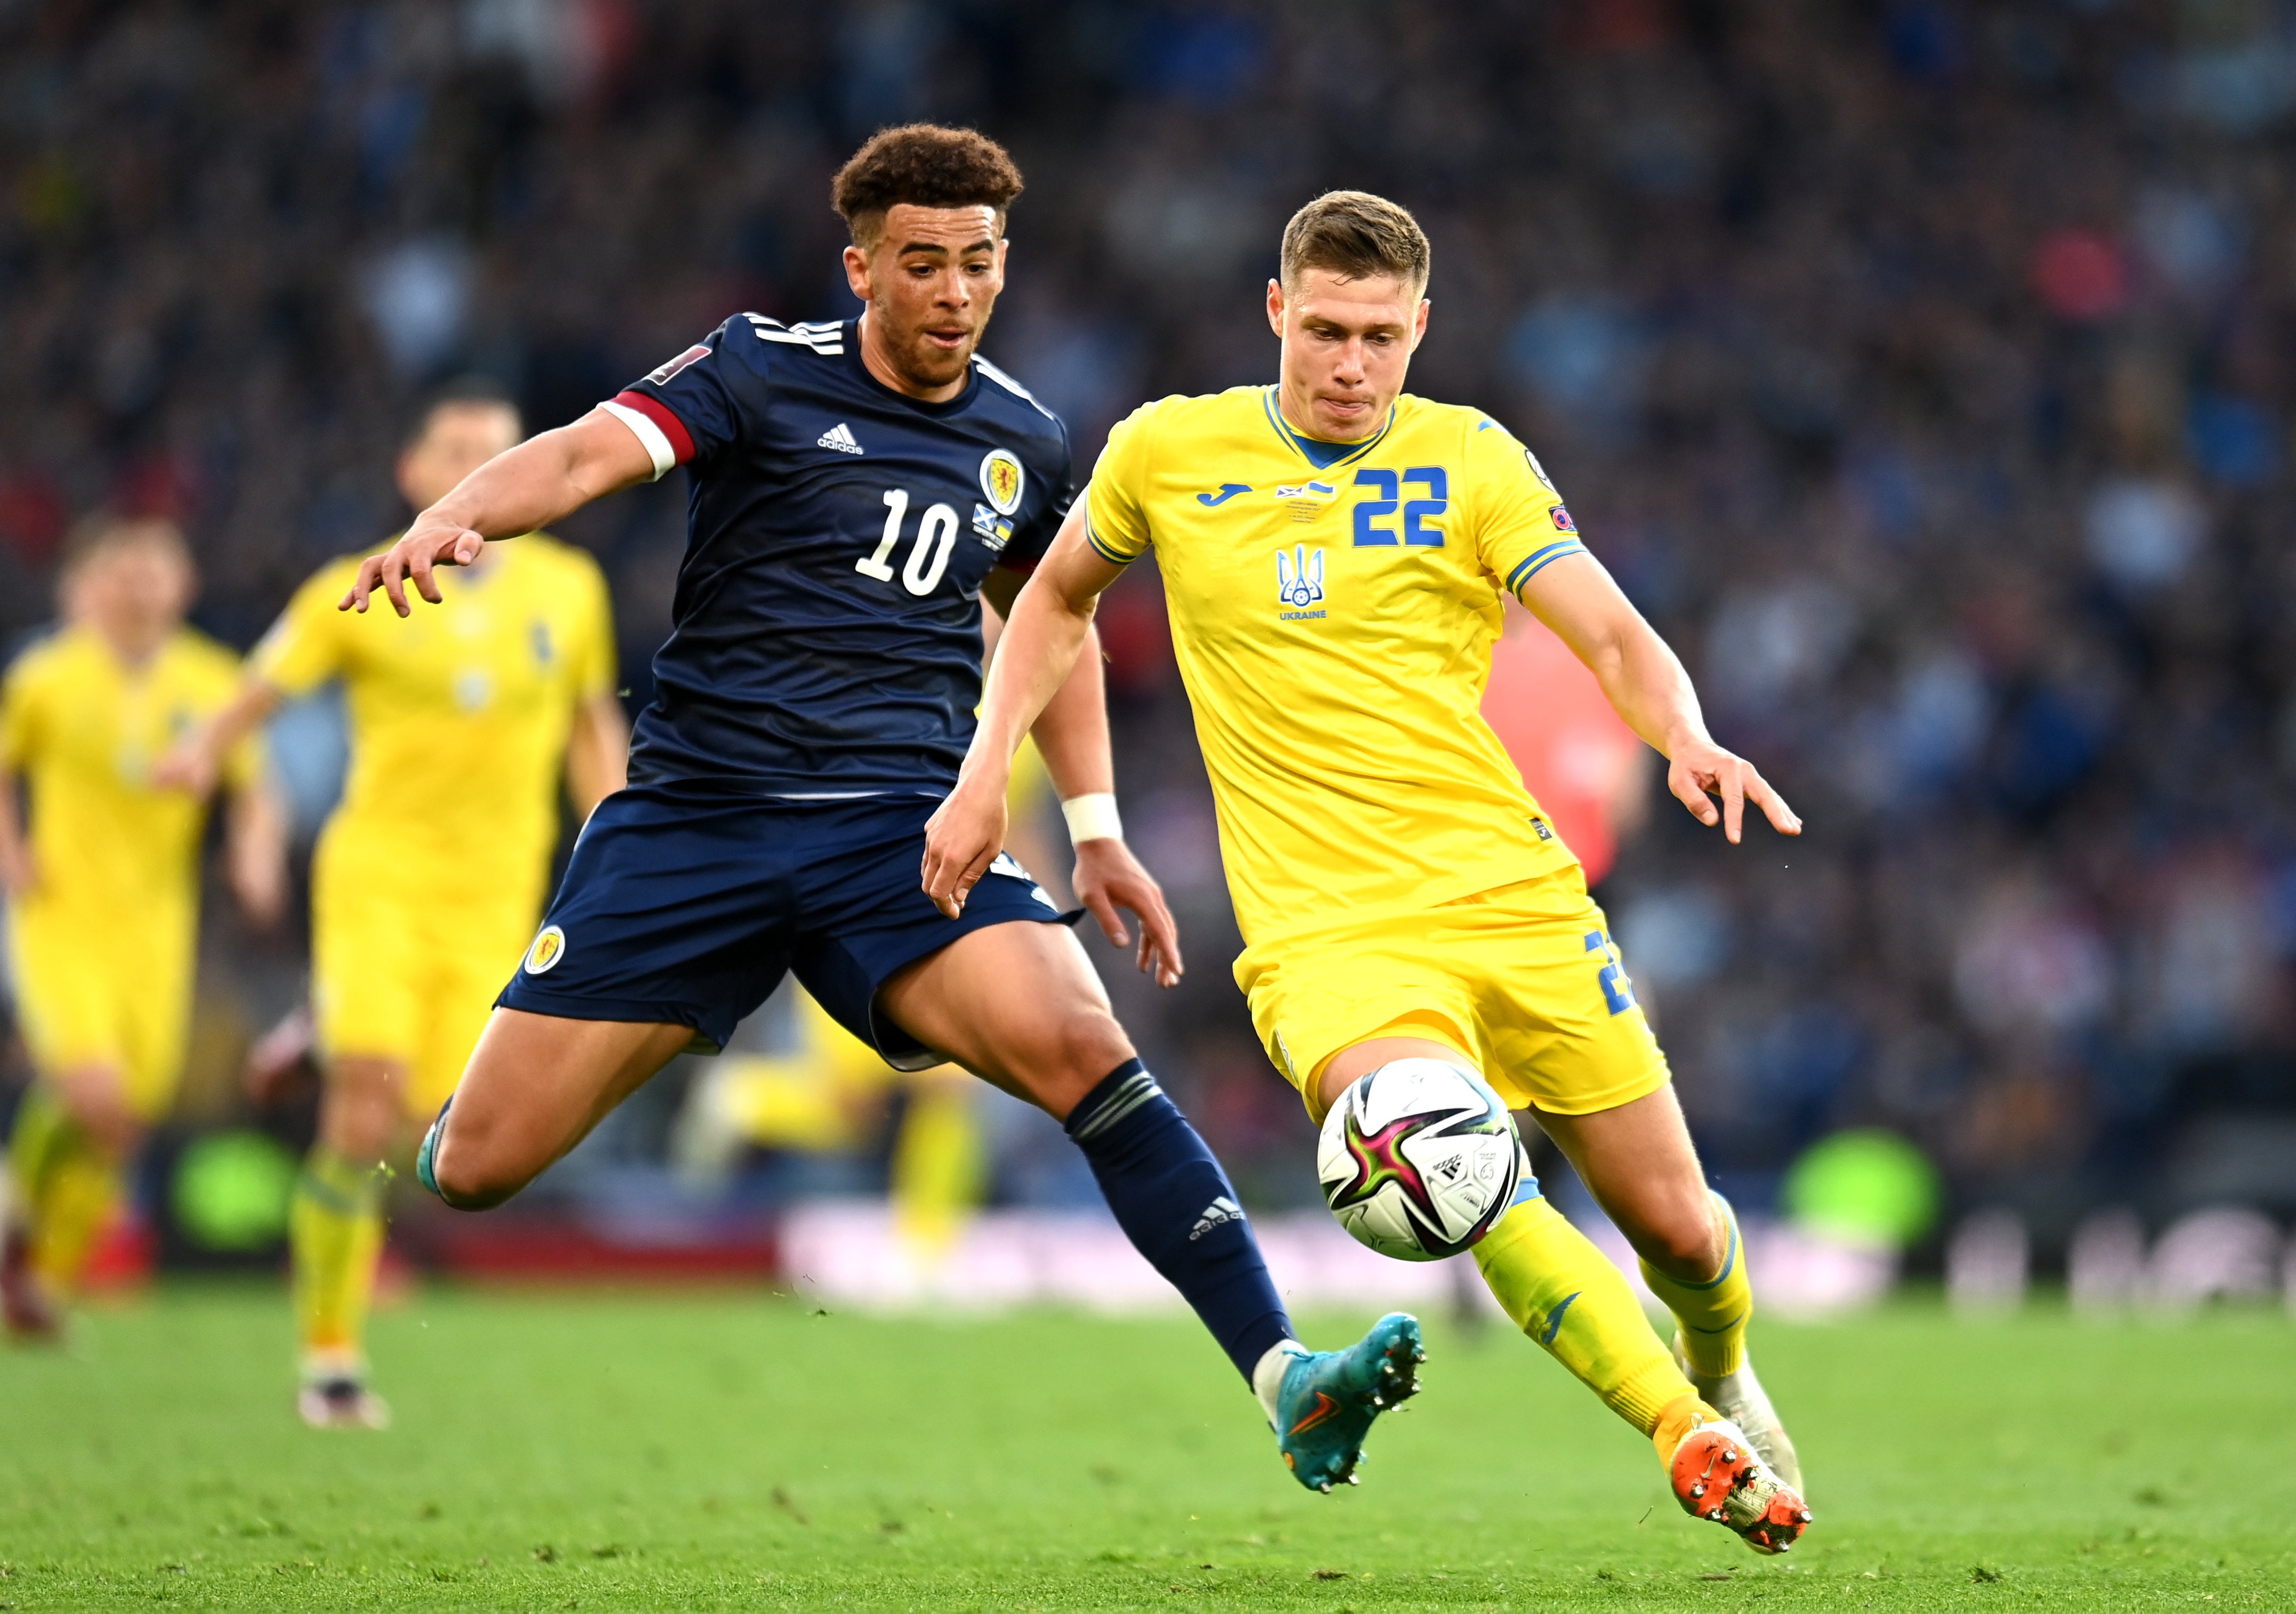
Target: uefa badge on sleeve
x,y
548,949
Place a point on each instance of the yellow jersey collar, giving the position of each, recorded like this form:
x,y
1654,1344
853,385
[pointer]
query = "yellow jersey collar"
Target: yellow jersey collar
x,y
1299,445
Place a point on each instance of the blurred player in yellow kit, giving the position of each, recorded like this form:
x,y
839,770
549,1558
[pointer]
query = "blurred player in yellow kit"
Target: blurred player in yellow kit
x,y
1334,552
103,891
461,725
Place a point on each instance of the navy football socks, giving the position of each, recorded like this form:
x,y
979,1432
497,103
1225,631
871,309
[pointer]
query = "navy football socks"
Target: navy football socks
x,y
1175,1204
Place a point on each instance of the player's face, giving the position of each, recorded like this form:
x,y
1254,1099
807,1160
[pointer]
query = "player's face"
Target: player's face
x,y
134,592
1346,346
456,440
931,280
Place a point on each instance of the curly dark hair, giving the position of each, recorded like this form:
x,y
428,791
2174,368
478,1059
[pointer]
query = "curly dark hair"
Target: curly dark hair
x,y
927,166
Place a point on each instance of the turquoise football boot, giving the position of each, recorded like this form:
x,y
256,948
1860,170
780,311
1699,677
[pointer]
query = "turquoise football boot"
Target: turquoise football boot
x,y
1330,1397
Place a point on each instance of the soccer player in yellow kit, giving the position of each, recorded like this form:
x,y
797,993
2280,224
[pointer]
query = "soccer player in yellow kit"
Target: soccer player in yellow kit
x,y
460,722
1333,553
103,892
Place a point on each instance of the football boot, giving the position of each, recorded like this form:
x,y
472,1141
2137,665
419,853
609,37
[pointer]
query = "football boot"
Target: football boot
x,y
341,1403
1329,1400
1740,1398
1718,1476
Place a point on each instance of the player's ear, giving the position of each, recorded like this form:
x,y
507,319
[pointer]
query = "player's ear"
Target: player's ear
x,y
1419,325
857,272
1275,307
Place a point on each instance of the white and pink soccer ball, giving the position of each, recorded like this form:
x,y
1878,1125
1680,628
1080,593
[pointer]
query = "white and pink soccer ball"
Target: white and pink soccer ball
x,y
1419,1159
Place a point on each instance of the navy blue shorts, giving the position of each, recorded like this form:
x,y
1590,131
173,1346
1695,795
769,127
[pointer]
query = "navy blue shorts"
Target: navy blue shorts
x,y
685,908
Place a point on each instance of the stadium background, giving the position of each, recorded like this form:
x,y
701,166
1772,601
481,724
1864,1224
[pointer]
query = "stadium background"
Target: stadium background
x,y
1919,369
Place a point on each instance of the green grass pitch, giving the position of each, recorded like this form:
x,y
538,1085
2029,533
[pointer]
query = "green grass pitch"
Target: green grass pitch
x,y
634,1450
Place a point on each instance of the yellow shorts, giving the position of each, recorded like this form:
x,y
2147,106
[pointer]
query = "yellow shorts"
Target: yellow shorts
x,y
1524,981
402,972
110,991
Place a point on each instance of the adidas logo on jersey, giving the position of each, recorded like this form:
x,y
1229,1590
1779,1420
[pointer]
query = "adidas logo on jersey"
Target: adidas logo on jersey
x,y
1220,1213
839,437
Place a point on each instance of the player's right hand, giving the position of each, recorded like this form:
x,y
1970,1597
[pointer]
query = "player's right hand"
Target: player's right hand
x,y
431,542
962,840
189,766
1701,770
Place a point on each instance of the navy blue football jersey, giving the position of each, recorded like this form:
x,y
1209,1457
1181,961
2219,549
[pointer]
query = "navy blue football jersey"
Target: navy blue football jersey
x,y
826,637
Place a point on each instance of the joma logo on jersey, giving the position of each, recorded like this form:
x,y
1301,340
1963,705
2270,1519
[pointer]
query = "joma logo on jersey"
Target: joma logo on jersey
x,y
1299,581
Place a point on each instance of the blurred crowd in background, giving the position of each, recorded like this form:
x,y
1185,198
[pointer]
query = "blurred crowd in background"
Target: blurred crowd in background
x,y
1922,369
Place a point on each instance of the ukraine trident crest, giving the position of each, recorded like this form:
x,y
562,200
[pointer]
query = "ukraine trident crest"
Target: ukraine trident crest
x,y
1300,577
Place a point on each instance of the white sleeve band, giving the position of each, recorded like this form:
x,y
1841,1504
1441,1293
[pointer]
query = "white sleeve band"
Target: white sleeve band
x,y
1093,817
657,447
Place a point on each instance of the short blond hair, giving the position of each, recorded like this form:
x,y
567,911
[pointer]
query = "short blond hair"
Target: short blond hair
x,y
1357,236
105,532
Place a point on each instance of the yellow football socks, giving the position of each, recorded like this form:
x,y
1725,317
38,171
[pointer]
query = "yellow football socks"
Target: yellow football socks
x,y
41,1122
937,1168
78,1195
67,1186
336,1230
1562,1293
1683,1413
1713,1314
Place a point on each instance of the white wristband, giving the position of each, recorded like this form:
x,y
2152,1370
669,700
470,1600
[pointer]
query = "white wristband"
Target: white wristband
x,y
1093,817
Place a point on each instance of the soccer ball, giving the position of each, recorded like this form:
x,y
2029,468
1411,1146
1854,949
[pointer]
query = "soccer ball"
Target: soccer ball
x,y
1419,1159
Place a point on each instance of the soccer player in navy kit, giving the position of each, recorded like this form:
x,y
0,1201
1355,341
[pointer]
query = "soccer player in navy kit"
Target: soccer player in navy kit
x,y
856,488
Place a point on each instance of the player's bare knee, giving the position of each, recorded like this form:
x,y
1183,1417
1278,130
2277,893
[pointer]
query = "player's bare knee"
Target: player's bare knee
x,y
358,1132
473,1170
466,1186
1090,1045
1071,1057
360,1111
1684,1240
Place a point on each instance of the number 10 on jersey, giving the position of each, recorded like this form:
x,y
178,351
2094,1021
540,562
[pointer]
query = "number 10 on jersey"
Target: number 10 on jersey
x,y
928,556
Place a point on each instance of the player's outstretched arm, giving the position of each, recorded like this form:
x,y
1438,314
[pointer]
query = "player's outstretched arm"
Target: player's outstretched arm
x,y
597,753
19,873
195,762
1648,686
1071,735
542,480
257,842
1043,632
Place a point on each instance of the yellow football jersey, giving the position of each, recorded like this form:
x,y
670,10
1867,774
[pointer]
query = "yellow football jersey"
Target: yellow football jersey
x,y
1332,611
85,728
459,714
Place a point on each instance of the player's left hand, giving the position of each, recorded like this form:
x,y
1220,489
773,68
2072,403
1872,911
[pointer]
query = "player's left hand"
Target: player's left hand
x,y
1701,770
1109,877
